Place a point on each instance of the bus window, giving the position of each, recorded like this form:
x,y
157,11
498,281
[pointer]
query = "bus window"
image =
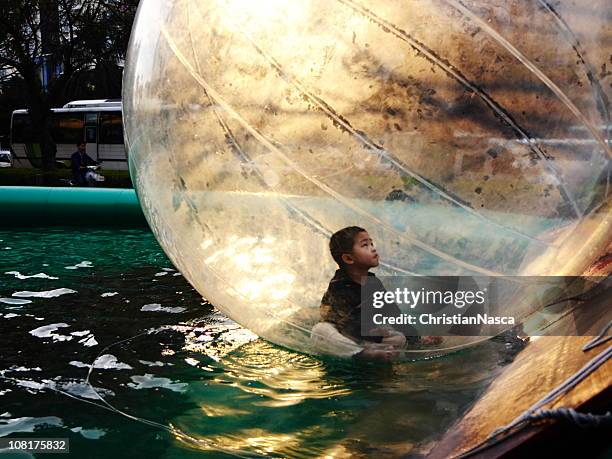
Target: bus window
x,y
91,118
21,129
67,128
111,129
90,134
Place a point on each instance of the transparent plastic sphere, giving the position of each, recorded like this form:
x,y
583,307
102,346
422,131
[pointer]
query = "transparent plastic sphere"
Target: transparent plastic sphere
x,y
468,138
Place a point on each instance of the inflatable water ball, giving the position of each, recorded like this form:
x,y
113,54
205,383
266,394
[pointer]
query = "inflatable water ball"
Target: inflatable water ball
x,y
469,138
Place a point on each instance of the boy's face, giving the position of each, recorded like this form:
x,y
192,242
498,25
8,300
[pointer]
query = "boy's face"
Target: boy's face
x,y
364,253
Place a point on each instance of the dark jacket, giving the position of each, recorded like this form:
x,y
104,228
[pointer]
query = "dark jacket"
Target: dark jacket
x,y
341,305
79,163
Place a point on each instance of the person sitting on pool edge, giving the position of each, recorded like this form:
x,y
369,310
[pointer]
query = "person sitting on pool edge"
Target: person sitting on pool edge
x,y
79,161
353,250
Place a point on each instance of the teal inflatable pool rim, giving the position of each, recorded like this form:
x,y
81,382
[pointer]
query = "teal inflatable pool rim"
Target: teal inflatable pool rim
x,y
83,207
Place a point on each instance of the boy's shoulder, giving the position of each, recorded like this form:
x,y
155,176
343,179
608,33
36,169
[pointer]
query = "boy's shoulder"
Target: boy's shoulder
x,y
342,280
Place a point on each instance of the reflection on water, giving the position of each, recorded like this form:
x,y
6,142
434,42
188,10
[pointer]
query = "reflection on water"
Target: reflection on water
x,y
167,360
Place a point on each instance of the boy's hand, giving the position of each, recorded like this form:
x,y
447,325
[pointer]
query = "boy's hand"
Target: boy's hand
x,y
390,337
387,354
397,340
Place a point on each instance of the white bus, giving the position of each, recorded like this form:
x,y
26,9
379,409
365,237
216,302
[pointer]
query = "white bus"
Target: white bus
x,y
97,122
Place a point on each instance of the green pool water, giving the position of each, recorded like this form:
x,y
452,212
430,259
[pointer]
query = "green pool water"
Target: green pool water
x,y
173,378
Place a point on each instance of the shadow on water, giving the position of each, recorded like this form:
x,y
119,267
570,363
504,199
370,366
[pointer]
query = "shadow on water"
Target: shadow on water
x,y
163,355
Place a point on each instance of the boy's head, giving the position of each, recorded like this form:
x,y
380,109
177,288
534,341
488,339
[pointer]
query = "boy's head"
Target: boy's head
x,y
353,246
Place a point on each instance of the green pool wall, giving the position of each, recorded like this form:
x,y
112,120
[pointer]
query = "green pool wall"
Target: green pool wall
x,y
81,207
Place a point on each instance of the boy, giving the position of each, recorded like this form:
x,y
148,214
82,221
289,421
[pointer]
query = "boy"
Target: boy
x,y
353,249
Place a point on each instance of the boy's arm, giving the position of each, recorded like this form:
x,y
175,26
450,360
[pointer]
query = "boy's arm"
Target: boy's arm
x,y
335,308
328,340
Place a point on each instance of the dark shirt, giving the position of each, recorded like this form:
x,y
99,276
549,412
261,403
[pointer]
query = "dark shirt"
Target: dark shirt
x,y
341,305
78,160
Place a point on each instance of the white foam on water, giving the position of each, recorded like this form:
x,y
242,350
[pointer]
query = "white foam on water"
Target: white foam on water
x,y
14,301
34,386
110,362
109,294
78,388
156,363
81,333
47,294
149,381
76,363
27,424
20,276
46,331
81,389
89,341
82,264
21,369
11,315
163,273
156,307
90,434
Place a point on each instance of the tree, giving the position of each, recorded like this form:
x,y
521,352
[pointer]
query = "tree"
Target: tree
x,y
79,44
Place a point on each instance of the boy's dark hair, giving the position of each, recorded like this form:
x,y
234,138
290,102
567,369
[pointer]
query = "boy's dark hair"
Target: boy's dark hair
x,y
342,242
